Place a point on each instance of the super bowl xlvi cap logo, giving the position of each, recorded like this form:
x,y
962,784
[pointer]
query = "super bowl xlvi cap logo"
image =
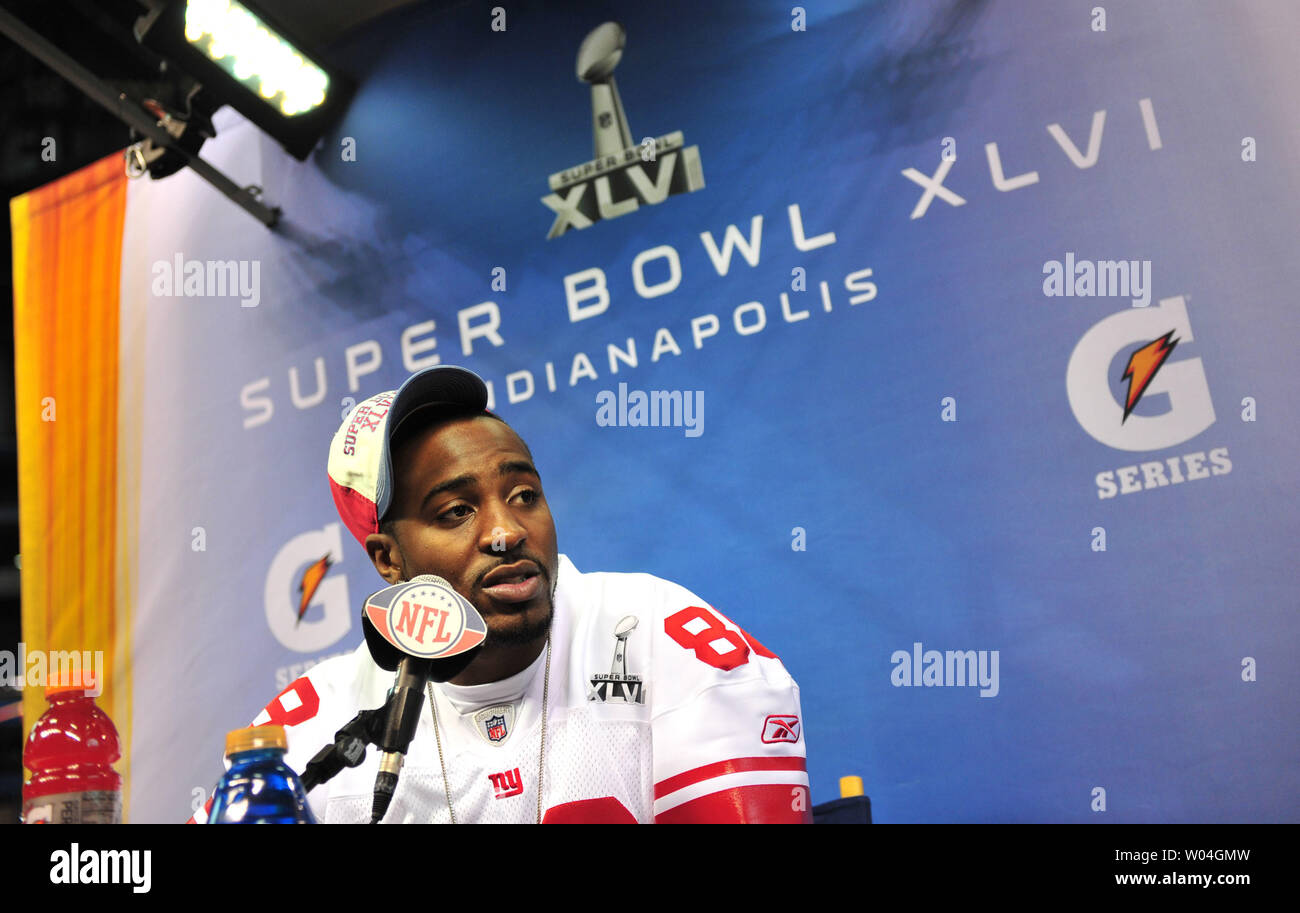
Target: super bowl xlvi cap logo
x,y
619,686
495,723
1128,394
623,174
425,618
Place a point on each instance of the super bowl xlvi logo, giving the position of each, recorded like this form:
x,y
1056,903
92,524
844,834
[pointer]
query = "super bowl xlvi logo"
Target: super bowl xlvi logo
x,y
623,174
618,686
1127,393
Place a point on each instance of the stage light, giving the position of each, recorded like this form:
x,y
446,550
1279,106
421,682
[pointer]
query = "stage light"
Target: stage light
x,y
242,45
245,60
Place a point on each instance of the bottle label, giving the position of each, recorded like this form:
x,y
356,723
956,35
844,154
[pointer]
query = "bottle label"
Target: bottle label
x,y
98,807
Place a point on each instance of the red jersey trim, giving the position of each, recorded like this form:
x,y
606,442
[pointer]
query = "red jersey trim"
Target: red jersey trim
x,y
722,768
207,810
762,804
607,810
308,704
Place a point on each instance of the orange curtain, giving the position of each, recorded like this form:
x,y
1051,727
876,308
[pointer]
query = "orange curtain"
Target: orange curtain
x,y
67,254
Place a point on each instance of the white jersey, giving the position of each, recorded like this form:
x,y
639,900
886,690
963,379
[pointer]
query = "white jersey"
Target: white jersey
x,y
659,709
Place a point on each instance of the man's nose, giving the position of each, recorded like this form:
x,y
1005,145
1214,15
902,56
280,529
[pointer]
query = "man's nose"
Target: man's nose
x,y
502,532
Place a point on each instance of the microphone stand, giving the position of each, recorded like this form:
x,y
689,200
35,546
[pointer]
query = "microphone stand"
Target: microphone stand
x,y
377,727
348,748
391,728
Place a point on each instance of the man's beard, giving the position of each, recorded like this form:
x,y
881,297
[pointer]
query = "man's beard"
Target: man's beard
x,y
521,630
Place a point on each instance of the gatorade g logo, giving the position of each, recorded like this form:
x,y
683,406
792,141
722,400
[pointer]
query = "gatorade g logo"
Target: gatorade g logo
x,y
1088,380
293,593
426,618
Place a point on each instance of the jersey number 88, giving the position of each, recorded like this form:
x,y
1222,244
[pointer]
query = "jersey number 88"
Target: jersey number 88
x,y
701,630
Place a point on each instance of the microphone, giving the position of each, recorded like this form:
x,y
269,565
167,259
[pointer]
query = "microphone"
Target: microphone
x,y
424,630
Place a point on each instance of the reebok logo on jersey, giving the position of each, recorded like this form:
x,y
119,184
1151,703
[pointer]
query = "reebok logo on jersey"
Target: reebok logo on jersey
x,y
781,728
507,784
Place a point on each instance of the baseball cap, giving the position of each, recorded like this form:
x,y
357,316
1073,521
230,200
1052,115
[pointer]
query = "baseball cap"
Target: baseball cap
x,y
361,461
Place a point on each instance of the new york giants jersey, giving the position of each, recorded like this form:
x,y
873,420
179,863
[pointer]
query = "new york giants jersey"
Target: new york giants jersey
x,y
660,709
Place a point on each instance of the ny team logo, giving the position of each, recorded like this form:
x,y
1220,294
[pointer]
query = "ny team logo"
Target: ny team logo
x,y
507,783
1146,337
623,174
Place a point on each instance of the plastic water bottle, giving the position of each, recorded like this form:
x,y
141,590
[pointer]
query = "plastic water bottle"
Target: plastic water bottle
x,y
259,788
70,753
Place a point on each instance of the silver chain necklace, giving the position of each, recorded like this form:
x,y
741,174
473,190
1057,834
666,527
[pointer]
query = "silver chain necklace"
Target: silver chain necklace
x,y
541,754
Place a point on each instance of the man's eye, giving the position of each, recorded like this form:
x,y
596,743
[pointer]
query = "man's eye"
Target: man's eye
x,y
529,496
452,514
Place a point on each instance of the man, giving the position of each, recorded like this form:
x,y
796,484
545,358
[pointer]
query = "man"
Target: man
x,y
695,721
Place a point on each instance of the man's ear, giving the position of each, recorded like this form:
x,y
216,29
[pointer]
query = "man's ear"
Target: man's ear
x,y
386,555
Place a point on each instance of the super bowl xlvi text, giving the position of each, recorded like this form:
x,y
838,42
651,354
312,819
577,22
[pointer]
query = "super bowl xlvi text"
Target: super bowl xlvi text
x,y
588,294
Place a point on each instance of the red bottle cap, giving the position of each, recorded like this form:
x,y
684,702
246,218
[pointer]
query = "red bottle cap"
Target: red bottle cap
x,y
63,681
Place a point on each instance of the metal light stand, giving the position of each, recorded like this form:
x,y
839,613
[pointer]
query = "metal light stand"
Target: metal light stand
x,y
127,111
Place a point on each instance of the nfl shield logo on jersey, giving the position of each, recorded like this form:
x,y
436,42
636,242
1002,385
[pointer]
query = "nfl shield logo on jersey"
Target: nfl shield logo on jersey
x,y
495,723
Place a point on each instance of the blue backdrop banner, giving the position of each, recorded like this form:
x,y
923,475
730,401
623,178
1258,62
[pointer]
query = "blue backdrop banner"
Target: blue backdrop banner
x,y
964,326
